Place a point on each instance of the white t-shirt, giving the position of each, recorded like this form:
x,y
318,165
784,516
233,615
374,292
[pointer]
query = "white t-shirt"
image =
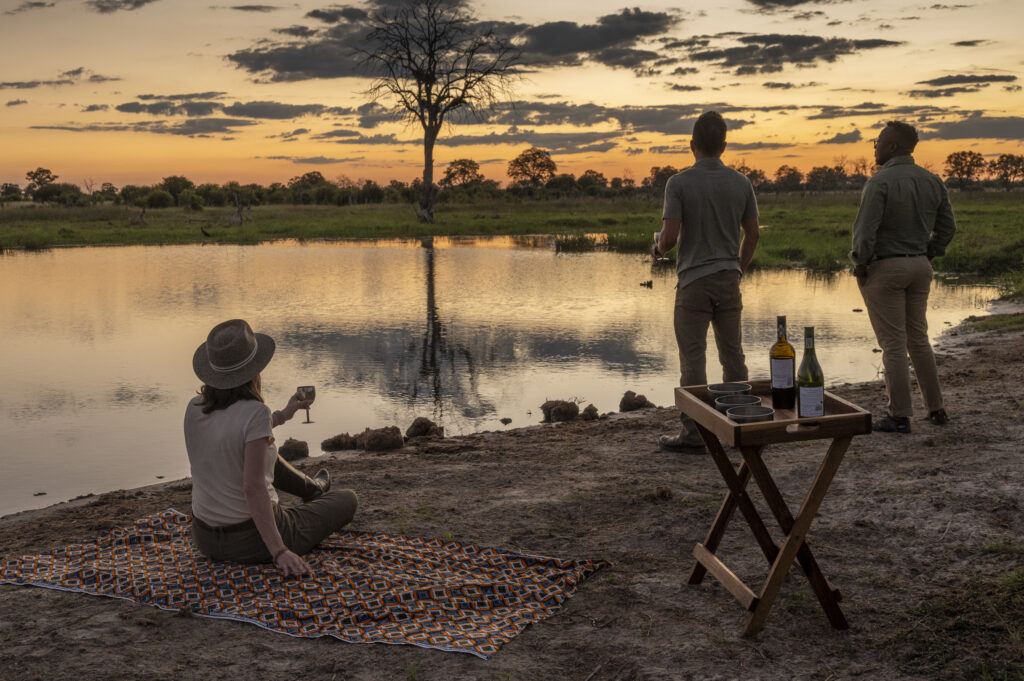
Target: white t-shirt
x,y
216,453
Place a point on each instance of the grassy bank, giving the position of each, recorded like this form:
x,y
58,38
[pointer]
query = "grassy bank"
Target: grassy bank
x,y
809,231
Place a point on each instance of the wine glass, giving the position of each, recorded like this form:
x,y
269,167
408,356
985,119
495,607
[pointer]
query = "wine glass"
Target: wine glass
x,y
306,392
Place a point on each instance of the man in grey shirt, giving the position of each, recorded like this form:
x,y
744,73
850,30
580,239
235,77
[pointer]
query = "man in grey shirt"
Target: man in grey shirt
x,y
904,221
706,206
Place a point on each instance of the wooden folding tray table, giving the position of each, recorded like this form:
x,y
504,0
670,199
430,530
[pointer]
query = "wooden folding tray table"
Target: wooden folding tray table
x,y
842,420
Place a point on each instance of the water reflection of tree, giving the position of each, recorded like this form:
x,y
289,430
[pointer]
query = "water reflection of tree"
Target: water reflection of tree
x,y
446,366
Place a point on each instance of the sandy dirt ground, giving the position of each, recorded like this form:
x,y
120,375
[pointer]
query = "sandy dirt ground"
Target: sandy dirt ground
x,y
923,534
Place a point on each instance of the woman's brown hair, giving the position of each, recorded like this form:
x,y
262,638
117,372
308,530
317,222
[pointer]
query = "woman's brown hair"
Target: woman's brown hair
x,y
222,398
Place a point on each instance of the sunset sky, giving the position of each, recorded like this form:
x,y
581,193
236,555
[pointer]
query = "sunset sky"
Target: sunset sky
x,y
130,91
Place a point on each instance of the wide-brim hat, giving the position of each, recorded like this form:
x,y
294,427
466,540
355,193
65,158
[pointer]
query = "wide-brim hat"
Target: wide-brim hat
x,y
232,355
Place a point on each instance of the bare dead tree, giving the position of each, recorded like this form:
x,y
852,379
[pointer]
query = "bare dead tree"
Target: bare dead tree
x,y
431,58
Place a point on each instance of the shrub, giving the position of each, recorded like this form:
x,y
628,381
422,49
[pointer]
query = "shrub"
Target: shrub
x,y
158,198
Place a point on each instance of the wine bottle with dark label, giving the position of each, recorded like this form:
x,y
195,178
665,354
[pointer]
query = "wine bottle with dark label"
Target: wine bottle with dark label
x,y
810,381
783,361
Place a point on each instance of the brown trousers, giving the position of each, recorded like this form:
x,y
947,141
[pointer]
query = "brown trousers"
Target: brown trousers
x,y
896,295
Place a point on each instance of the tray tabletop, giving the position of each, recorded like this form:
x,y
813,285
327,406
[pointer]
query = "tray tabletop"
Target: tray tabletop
x,y
842,418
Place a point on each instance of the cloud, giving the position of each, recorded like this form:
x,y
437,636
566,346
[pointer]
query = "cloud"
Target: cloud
x,y
314,160
183,97
95,107
971,43
843,138
335,14
1011,88
979,127
773,5
666,149
670,119
612,40
110,6
964,79
339,133
754,146
369,139
192,127
326,58
768,53
951,7
272,110
16,102
830,111
373,114
296,31
685,88
943,92
169,108
290,136
70,77
556,142
255,8
32,84
27,6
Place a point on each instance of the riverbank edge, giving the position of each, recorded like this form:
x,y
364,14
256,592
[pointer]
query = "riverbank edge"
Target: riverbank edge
x,y
951,340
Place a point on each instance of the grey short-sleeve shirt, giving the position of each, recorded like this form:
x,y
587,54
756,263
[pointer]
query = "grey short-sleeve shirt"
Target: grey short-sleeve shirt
x,y
710,199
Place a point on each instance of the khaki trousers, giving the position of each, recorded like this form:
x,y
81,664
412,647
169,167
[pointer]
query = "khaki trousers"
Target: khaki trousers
x,y
896,295
302,527
713,301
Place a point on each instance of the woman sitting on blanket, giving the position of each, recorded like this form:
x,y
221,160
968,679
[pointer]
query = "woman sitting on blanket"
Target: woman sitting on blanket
x,y
236,470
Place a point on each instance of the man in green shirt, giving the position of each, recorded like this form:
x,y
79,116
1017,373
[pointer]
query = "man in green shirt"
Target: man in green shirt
x,y
904,221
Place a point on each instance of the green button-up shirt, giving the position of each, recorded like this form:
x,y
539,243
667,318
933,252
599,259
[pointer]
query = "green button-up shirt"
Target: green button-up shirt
x,y
904,210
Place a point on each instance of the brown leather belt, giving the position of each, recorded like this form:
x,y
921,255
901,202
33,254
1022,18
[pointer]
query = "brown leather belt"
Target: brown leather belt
x,y
224,529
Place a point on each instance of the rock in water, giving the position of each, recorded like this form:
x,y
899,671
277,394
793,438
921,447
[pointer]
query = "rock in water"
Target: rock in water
x,y
559,410
590,413
631,402
422,426
293,449
339,442
382,439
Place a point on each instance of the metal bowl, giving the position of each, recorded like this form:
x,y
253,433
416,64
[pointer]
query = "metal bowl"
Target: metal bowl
x,y
724,402
750,414
719,389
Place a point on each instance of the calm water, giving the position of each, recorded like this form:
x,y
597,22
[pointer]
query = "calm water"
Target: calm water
x,y
95,355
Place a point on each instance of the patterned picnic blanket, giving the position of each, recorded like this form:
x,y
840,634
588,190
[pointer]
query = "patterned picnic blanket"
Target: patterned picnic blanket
x,y
368,587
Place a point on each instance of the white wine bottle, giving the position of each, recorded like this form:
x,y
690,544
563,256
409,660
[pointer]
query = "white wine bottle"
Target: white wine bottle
x,y
783,361
810,381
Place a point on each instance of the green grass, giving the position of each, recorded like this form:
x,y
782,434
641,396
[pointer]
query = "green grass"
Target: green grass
x,y
811,231
996,322
974,632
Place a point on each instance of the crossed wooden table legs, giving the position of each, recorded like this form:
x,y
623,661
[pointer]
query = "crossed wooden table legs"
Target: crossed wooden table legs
x,y
795,528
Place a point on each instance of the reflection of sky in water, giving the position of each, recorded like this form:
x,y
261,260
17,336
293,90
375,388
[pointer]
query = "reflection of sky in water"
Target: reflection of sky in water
x,y
97,345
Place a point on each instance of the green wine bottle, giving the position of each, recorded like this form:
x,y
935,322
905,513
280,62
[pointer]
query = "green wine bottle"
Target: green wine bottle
x,y
810,381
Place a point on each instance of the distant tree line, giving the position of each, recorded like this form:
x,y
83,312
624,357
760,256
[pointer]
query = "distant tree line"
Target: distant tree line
x,y
532,174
